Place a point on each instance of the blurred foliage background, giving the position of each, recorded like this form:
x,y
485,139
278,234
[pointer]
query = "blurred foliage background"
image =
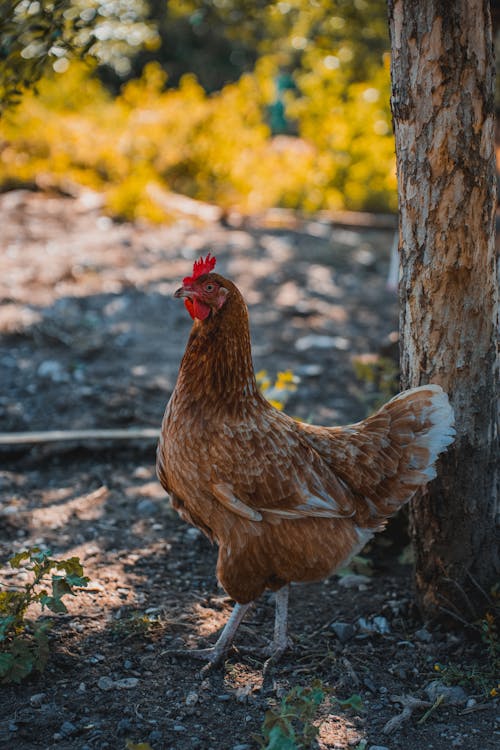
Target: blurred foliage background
x,y
249,105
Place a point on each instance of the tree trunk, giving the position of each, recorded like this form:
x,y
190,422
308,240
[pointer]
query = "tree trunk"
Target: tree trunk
x,y
443,111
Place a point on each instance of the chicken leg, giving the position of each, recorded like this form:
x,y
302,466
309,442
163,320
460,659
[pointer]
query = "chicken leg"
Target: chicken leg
x,y
275,649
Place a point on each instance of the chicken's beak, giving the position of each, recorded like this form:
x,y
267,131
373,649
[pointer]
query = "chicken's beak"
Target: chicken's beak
x,y
183,292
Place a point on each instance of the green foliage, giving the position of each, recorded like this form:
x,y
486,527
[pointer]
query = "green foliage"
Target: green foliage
x,y
482,676
23,643
152,139
380,376
41,36
290,727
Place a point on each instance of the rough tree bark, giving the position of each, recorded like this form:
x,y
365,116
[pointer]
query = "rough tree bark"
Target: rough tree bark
x,y
443,112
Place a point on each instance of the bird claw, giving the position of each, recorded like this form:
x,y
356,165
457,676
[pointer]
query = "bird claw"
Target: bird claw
x,y
213,656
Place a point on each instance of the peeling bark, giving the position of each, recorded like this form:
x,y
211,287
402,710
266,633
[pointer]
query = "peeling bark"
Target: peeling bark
x,y
443,111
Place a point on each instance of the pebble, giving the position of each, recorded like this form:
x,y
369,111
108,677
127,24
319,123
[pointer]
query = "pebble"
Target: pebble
x,y
127,683
105,683
343,630
242,747
378,747
123,726
379,624
155,736
470,703
179,728
146,507
353,581
191,698
53,370
319,341
67,728
423,635
451,695
38,699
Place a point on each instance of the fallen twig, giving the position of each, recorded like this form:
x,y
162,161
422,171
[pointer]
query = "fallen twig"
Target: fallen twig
x,y
54,436
410,704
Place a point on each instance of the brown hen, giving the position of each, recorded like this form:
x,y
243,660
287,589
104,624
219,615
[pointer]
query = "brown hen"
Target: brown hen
x,y
285,501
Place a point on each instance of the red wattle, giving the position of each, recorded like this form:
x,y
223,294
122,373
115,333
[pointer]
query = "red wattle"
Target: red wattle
x,y
201,311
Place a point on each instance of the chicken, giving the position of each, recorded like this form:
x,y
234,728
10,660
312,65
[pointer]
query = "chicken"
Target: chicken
x,y
284,501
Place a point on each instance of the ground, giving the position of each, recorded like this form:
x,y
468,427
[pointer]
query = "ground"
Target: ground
x,y
90,337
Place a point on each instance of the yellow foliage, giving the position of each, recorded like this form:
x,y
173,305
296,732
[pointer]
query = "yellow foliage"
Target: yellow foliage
x,y
215,148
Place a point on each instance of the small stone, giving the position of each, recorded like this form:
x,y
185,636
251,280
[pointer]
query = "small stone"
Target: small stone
x,y
146,507
127,683
377,625
13,727
378,747
191,698
123,726
451,695
67,728
423,635
353,581
105,683
127,664
343,630
192,534
223,697
242,747
155,735
38,699
179,728
53,370
470,703
82,687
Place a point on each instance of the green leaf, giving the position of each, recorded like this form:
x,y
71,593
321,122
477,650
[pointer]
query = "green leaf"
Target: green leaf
x,y
355,702
6,662
280,740
42,644
6,624
16,560
72,567
22,662
54,604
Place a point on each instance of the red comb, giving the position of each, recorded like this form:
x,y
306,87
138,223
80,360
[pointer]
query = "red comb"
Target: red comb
x,y
201,267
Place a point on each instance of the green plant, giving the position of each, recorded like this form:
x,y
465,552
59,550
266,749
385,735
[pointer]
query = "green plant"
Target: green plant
x,y
290,727
24,643
481,676
136,624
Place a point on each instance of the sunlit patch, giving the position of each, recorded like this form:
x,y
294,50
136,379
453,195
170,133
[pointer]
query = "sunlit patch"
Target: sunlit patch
x,y
60,505
337,731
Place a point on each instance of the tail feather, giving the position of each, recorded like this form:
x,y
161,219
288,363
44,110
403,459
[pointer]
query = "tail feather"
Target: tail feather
x,y
384,459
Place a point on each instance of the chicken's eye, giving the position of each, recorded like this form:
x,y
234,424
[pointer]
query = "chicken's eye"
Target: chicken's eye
x,y
209,287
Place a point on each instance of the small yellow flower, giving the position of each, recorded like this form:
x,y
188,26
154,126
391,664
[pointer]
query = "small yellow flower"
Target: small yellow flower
x,y
277,404
493,692
437,668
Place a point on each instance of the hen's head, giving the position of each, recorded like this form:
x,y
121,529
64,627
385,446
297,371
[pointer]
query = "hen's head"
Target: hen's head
x,y
203,292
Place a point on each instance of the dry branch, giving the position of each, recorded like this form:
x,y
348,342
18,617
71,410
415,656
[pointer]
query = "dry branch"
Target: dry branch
x,y
54,436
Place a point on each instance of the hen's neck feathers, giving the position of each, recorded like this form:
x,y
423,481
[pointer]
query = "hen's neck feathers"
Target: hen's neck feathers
x,y
217,365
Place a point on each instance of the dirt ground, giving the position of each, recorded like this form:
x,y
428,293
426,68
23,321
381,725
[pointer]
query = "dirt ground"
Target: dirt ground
x,y
90,337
